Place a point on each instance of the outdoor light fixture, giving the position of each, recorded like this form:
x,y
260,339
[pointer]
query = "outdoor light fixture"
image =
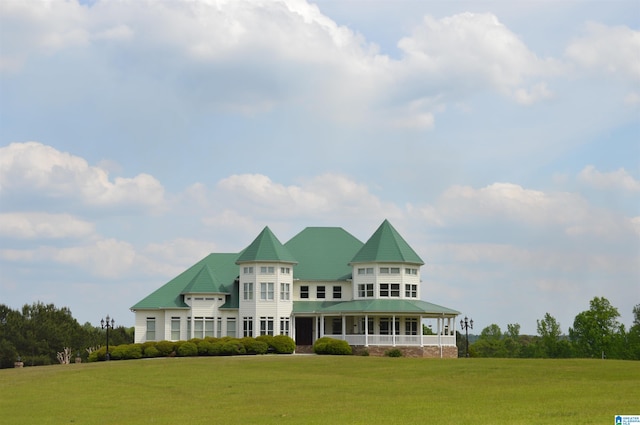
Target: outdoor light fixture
x,y
466,324
105,324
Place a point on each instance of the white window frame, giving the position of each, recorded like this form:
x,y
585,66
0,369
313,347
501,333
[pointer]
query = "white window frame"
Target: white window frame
x,y
248,291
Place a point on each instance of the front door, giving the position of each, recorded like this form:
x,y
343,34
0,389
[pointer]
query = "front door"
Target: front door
x,y
304,330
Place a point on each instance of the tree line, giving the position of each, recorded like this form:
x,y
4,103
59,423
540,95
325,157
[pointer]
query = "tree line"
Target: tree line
x,y
38,332
596,333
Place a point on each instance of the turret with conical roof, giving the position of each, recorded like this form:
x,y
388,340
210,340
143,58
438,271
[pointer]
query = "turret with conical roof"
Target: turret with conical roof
x,y
386,245
266,248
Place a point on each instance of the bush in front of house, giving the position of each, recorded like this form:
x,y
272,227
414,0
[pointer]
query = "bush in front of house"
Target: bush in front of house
x,y
326,345
283,344
187,349
267,339
394,352
150,351
165,348
233,348
253,346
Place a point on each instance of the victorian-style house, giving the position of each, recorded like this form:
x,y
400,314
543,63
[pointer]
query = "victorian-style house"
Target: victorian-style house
x,y
322,282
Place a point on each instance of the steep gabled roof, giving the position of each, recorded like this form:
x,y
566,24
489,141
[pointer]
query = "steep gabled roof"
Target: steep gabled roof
x,y
266,247
323,253
386,245
169,295
204,282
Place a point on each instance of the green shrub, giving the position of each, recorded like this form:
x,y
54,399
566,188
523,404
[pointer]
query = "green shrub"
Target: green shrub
x,y
283,344
117,352
41,360
204,348
165,348
216,348
97,355
150,351
253,346
393,353
133,351
326,345
187,349
232,348
267,339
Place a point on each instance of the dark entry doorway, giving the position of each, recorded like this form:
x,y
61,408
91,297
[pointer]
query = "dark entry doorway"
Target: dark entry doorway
x,y
304,330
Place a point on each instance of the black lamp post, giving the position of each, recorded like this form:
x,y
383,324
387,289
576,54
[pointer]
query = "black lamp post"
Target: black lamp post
x,y
466,324
107,324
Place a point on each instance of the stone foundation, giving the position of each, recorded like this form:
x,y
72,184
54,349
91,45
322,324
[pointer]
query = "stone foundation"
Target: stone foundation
x,y
304,349
430,351
433,352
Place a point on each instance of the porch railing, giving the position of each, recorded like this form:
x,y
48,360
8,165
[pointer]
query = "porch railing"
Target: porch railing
x,y
402,340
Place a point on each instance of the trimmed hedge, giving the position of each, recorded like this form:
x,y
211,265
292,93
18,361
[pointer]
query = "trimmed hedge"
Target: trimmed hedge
x,y
326,345
209,346
187,349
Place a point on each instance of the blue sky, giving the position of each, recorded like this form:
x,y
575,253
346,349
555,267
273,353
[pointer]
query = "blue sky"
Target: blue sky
x,y
500,138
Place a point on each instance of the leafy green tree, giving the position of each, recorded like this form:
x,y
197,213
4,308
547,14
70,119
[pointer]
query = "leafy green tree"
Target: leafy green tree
x,y
512,340
549,332
633,336
596,331
490,343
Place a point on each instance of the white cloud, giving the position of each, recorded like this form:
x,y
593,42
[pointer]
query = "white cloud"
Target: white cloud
x,y
170,258
538,92
29,28
105,258
33,168
619,179
611,50
472,51
35,225
499,204
317,197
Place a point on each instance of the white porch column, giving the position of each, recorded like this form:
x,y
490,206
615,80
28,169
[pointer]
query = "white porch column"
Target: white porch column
x,y
344,328
192,326
440,335
322,331
292,330
366,330
317,327
421,333
393,330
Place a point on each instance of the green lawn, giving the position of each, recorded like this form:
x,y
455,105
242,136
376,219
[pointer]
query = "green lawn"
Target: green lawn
x,y
322,390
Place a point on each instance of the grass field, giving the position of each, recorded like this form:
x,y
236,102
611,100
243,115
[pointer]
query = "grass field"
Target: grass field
x,y
322,390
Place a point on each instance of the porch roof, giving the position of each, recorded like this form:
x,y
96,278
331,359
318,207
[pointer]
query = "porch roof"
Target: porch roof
x,y
395,306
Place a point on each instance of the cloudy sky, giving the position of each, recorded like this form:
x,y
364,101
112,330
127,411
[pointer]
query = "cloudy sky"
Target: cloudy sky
x,y
500,138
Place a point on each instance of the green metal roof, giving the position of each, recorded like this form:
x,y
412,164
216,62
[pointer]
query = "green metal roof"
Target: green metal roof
x,y
386,245
204,282
323,253
372,306
221,268
266,247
